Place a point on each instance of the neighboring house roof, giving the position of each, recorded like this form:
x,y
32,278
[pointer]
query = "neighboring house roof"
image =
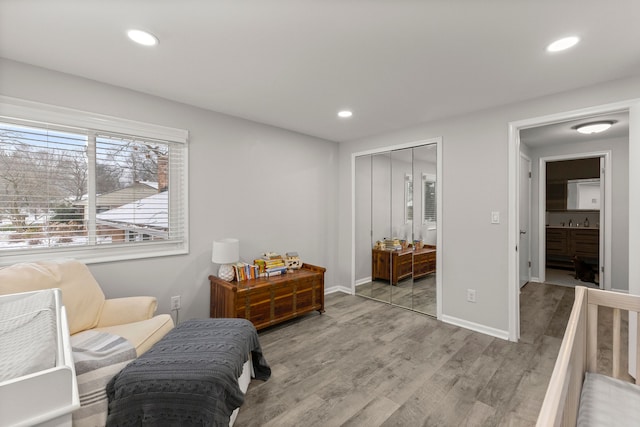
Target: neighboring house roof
x,y
146,215
135,191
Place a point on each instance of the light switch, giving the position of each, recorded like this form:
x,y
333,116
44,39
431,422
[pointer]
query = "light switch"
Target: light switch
x,y
495,217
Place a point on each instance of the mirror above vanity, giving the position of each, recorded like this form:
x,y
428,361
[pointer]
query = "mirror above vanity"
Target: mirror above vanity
x,y
573,185
583,194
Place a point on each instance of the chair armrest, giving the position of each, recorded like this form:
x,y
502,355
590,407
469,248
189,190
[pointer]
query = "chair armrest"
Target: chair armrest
x,y
118,311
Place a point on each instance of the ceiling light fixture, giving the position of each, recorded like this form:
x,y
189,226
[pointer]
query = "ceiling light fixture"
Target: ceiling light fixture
x,y
142,37
563,44
594,127
345,114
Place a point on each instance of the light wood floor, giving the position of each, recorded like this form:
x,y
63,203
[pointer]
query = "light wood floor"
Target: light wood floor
x,y
366,363
415,294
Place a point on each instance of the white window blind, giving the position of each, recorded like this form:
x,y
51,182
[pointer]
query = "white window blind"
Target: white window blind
x,y
408,198
89,193
429,198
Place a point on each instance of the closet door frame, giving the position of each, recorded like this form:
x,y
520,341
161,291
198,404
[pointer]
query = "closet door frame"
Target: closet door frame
x,y
439,240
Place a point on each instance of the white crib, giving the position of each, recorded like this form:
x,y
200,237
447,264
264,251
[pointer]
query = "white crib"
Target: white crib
x,y
576,395
37,375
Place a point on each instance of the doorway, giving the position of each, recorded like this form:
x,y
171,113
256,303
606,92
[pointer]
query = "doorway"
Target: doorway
x,y
574,236
576,203
525,219
621,242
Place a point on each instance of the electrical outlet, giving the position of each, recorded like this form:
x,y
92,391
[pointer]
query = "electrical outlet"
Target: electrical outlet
x,y
471,295
175,302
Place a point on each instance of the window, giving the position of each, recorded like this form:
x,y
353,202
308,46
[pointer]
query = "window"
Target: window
x,y
408,198
429,199
90,187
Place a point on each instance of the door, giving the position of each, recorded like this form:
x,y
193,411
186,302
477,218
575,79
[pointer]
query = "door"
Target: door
x,y
395,227
525,219
425,223
402,217
363,227
381,229
601,249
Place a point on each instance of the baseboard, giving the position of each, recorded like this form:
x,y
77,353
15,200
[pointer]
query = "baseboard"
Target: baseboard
x,y
535,279
335,289
476,327
363,281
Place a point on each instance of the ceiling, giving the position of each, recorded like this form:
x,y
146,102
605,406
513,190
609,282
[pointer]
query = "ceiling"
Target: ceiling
x,y
295,63
564,132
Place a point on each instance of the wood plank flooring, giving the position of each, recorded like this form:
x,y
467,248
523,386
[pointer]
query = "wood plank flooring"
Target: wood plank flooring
x,y
416,294
366,363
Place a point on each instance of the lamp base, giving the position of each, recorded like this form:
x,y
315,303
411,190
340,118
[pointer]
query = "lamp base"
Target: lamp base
x,y
226,272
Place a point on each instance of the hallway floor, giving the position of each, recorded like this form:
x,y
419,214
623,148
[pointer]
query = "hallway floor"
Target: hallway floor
x,y
556,276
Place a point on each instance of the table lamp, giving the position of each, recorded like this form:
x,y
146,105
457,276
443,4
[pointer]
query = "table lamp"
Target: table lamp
x,y
225,252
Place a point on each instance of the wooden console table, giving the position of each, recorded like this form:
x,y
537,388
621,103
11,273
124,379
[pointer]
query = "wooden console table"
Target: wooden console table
x,y
398,265
269,301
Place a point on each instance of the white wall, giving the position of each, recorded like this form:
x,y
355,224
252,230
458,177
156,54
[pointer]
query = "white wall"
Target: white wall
x,y
620,202
475,174
273,189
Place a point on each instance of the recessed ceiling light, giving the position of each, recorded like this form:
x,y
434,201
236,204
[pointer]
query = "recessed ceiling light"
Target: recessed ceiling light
x,y
594,127
142,37
345,114
562,44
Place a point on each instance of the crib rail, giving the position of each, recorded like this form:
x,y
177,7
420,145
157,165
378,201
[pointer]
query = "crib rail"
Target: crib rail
x,y
579,353
617,302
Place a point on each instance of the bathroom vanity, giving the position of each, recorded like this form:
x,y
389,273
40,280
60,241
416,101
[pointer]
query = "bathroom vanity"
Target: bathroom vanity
x,y
564,242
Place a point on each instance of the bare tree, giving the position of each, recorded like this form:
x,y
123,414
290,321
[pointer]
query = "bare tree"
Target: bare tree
x,y
107,178
73,174
136,160
143,161
21,177
34,178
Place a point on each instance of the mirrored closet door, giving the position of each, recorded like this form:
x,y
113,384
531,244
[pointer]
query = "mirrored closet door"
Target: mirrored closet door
x,y
395,227
424,229
401,256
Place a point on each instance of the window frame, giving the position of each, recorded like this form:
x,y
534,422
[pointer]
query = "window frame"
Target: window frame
x,y
38,114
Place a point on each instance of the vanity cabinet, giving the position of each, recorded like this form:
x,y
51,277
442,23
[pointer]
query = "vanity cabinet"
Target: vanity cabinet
x,y
557,241
563,243
585,243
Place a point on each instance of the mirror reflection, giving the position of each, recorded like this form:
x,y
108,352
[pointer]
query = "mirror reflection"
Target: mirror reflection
x,y
424,230
401,256
395,227
583,194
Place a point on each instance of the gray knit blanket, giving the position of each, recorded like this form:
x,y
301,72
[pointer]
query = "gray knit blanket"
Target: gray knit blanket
x,y
189,377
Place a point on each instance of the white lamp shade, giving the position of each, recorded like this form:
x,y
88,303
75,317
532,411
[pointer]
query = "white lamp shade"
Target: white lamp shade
x,y
225,251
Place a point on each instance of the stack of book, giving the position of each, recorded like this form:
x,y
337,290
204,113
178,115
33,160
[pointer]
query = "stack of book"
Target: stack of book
x,y
271,264
245,271
392,244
